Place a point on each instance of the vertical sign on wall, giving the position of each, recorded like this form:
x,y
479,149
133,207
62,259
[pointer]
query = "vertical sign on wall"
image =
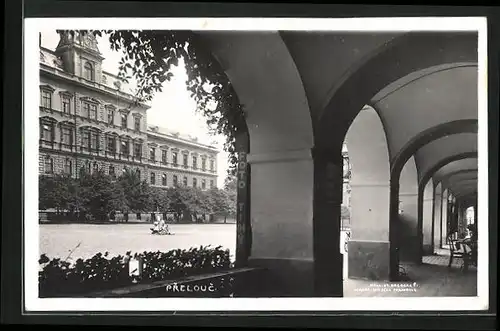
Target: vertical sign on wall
x,y
243,229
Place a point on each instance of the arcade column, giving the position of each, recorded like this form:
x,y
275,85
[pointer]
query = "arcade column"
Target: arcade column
x,y
298,253
426,219
444,218
436,223
369,247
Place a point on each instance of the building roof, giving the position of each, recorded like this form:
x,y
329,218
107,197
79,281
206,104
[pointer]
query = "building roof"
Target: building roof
x,y
162,132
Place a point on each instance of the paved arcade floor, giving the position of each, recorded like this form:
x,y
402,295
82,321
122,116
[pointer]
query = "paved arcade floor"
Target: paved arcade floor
x,y
431,279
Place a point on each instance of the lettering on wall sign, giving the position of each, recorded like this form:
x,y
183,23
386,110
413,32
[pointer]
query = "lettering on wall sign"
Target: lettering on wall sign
x,y
242,227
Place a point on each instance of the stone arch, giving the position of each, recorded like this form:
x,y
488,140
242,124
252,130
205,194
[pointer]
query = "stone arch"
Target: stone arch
x,y
397,165
441,196
392,61
388,63
468,172
369,160
426,176
274,159
429,135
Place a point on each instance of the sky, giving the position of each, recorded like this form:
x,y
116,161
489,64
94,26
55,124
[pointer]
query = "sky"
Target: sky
x,y
173,108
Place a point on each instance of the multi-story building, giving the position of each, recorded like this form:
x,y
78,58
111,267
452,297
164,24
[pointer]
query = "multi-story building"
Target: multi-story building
x,y
87,120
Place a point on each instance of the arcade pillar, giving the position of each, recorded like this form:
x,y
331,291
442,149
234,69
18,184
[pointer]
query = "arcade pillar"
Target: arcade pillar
x,y
444,218
427,215
436,223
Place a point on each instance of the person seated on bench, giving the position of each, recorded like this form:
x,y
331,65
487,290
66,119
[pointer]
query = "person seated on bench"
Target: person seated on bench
x,y
471,242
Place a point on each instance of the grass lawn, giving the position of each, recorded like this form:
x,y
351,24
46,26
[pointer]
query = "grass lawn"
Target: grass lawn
x,y
57,240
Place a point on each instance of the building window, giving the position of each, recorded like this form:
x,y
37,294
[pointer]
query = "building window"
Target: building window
x,y
153,178
137,123
203,184
174,180
174,158
185,181
91,110
203,164
124,147
138,172
111,145
88,71
185,160
85,138
49,165
47,132
124,120
164,156
212,165
46,99
152,152
211,184
112,171
66,104
164,179
195,162
89,167
67,136
195,182
96,167
68,166
94,141
111,116
137,150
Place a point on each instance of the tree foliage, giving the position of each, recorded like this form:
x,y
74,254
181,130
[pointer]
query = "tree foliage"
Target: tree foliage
x,y
98,195
137,192
148,56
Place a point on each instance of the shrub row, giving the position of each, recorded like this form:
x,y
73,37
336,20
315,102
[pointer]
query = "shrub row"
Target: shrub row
x,y
58,278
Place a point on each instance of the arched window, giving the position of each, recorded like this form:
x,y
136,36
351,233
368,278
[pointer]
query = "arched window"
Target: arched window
x,y
96,167
88,71
195,182
49,165
164,179
153,178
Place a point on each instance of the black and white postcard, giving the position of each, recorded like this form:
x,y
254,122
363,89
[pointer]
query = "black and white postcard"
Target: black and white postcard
x,y
241,164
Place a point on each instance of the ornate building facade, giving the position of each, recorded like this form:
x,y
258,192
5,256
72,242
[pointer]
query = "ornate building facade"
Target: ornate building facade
x,y
88,121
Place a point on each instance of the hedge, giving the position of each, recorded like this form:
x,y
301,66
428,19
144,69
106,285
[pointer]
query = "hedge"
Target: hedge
x,y
59,278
